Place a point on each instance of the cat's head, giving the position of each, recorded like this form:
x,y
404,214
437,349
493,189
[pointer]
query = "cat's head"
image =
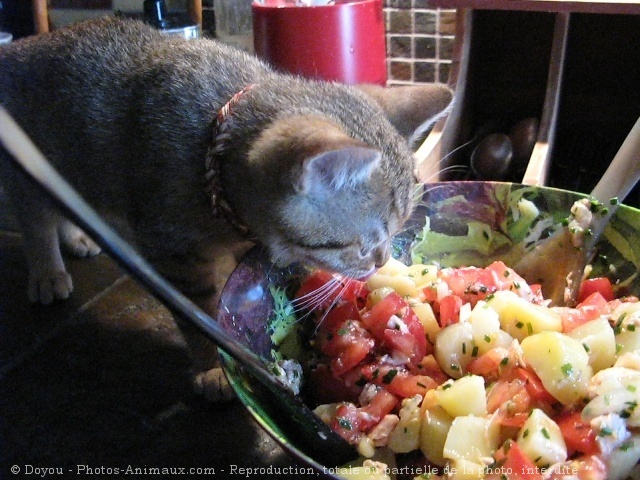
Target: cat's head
x,y
336,189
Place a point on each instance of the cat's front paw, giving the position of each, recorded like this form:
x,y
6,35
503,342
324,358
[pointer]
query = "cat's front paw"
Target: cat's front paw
x,y
213,386
76,242
47,286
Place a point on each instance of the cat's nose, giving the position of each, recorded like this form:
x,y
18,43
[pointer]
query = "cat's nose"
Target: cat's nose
x,y
382,254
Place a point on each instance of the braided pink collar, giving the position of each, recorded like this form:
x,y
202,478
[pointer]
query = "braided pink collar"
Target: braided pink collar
x,y
219,204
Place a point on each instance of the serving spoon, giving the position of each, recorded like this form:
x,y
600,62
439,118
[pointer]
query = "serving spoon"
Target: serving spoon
x,y
555,263
328,447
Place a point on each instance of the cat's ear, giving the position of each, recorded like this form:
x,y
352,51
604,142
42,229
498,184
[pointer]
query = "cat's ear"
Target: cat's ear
x,y
412,109
333,170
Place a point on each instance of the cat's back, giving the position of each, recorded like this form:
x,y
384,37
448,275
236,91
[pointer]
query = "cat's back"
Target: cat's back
x,y
90,52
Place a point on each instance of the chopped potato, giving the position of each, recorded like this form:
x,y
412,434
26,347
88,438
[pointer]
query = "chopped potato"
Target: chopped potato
x,y
519,318
403,285
406,436
471,438
454,348
561,363
465,396
435,427
598,341
541,439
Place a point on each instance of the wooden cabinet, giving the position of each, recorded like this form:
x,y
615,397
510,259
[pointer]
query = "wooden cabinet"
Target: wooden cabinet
x,y
576,72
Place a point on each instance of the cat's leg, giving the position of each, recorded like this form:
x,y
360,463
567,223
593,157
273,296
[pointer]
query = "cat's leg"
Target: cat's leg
x,y
201,277
38,219
48,277
75,241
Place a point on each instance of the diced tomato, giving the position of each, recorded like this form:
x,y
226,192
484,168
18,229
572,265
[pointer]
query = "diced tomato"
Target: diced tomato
x,y
421,347
349,423
472,283
382,404
315,296
511,396
430,294
595,300
406,385
450,310
602,285
469,283
512,463
578,434
534,386
492,364
335,317
413,343
402,342
352,422
589,309
347,346
586,467
515,421
377,318
429,367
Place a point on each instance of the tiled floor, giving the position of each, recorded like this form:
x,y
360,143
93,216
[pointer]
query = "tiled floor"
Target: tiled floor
x,y
101,381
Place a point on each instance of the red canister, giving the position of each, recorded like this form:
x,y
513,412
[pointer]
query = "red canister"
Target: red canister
x,y
343,41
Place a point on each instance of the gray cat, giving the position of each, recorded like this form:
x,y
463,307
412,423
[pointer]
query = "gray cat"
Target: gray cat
x,y
318,172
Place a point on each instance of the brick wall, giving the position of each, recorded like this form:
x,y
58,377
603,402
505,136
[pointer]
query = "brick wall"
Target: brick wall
x,y
419,41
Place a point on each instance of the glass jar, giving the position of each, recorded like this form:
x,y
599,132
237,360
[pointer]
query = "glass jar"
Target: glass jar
x,y
234,23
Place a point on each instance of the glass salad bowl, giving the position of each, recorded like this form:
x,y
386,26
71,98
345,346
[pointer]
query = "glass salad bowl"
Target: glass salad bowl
x,y
456,224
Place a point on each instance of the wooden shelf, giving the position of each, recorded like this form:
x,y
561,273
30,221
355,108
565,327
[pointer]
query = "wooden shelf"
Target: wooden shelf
x,y
577,73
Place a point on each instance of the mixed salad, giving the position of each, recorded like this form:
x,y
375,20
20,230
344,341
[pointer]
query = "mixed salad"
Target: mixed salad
x,y
445,372
468,372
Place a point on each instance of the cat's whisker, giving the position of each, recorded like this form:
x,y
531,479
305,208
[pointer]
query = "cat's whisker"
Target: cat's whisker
x,y
318,296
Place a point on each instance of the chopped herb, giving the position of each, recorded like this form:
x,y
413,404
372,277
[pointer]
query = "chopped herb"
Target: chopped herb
x,y
516,285
631,388
344,423
421,385
455,367
343,331
529,328
605,432
446,385
504,361
626,445
631,328
519,324
389,376
490,296
525,434
464,348
586,347
474,352
545,434
506,273
376,372
567,368
487,338
614,201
